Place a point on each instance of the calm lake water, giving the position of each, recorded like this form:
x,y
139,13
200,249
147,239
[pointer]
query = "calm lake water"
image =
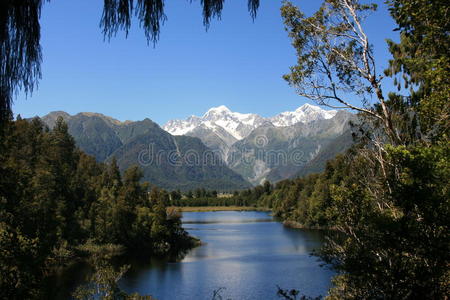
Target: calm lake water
x,y
247,253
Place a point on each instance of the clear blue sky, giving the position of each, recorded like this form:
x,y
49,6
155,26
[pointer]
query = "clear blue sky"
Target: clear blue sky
x,y
237,62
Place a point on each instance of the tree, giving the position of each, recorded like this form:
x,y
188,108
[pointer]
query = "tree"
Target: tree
x,y
20,49
421,63
335,59
175,197
267,187
391,243
104,284
389,205
111,175
56,202
18,264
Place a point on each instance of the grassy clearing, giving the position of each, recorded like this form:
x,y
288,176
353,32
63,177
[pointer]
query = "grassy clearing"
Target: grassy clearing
x,y
220,208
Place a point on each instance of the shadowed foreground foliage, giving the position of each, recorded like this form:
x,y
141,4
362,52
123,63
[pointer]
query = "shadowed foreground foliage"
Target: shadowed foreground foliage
x,y
388,198
58,204
103,284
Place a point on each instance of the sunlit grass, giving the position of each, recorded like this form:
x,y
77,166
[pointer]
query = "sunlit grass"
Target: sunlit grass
x,y
220,208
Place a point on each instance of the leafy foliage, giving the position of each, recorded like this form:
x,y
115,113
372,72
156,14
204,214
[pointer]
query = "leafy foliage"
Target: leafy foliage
x,y
118,14
54,199
421,63
104,284
387,199
20,50
335,59
292,295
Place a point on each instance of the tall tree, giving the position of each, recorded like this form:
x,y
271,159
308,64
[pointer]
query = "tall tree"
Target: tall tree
x,y
335,59
390,204
421,62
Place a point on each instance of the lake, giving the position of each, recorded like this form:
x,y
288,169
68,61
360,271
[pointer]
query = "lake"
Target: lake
x,y
246,253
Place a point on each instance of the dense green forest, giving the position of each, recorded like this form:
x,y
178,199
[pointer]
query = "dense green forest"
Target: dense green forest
x,y
58,204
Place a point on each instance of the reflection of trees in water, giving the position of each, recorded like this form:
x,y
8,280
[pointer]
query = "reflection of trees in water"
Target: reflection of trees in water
x,y
308,241
82,274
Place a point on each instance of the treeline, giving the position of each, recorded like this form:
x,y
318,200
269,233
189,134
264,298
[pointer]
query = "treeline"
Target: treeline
x,y
304,202
57,203
204,197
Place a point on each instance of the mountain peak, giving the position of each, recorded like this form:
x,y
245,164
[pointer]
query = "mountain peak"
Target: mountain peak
x,y
219,109
217,119
240,125
304,114
101,116
307,106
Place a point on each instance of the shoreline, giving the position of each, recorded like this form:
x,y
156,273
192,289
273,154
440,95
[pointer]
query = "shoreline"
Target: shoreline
x,y
218,208
286,223
297,225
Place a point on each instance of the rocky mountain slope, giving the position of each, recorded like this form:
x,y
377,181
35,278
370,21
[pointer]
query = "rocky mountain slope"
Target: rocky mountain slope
x,y
272,148
171,162
277,153
221,150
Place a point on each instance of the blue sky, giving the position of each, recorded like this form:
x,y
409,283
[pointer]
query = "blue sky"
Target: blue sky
x,y
237,62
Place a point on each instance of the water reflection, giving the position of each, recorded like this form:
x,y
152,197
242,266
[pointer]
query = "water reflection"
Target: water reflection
x,y
246,252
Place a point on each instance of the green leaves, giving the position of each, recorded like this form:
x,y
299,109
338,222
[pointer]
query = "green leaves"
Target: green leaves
x,y
54,198
420,61
118,15
335,58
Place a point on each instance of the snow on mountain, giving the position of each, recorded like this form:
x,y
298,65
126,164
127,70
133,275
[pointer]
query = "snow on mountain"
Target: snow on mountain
x,y
181,127
241,125
233,136
305,114
236,124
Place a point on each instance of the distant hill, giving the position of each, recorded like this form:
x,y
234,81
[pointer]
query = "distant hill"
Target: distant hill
x,y
219,128
170,162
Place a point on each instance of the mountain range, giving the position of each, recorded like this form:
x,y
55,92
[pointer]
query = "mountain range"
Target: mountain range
x,y
271,148
167,161
220,150
224,127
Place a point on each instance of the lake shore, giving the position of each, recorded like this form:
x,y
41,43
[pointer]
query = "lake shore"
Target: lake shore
x,y
218,208
297,225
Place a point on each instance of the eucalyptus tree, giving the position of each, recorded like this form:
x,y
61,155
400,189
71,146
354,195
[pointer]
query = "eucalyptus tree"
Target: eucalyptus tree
x,y
20,33
391,205
336,59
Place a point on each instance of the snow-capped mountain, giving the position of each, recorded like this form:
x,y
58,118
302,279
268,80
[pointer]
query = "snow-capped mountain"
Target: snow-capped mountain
x,y
252,147
181,127
217,119
241,125
220,128
304,114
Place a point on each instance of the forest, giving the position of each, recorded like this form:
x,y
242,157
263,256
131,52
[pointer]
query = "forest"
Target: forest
x,y
59,205
385,203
